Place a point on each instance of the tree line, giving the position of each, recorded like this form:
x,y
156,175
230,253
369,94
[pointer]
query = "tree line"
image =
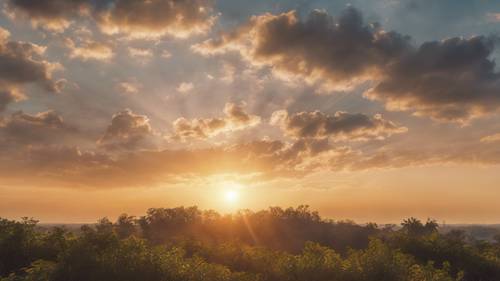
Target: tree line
x,y
293,244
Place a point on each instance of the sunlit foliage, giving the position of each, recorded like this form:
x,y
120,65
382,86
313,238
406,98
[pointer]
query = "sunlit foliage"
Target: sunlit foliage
x,y
272,245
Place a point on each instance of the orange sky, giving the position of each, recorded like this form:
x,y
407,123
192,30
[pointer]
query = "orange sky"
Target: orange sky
x,y
381,196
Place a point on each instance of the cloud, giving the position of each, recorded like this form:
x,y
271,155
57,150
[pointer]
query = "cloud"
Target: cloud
x,y
40,129
55,15
258,160
340,126
126,131
157,18
451,80
491,138
134,19
66,159
48,166
235,119
486,155
89,50
341,52
22,63
236,115
9,95
68,166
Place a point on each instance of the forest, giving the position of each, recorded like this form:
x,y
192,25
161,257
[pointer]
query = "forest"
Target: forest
x,y
292,244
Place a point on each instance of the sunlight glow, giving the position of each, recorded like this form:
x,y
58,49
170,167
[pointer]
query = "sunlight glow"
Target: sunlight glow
x,y
231,192
231,196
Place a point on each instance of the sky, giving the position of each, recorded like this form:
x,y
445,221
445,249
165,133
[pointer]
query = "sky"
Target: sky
x,y
372,111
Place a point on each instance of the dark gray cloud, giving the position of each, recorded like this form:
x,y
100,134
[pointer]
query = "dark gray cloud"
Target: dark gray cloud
x,y
22,63
341,51
450,80
340,126
40,129
126,131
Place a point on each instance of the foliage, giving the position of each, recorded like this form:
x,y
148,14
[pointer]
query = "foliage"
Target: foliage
x,y
292,244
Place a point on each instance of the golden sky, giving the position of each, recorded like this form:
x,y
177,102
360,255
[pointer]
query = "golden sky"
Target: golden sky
x,y
364,110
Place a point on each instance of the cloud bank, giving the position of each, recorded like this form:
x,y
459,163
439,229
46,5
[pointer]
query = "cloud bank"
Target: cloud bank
x,y
450,80
131,18
340,126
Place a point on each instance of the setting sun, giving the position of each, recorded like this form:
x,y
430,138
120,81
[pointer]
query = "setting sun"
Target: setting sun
x,y
231,196
230,191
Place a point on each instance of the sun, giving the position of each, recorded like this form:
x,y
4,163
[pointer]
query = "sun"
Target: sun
x,y
231,192
231,196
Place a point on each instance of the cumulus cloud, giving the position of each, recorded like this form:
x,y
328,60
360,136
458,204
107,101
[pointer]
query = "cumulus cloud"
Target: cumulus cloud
x,y
22,63
18,64
340,51
89,50
126,131
450,80
55,15
40,129
9,95
235,119
340,126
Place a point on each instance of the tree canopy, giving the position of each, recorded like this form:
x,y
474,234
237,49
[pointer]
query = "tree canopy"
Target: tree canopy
x,y
270,245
